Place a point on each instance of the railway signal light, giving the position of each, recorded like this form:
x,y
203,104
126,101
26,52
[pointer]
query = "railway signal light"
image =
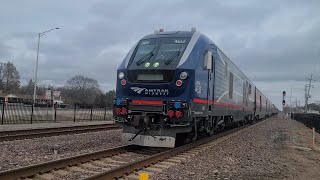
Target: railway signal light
x,y
284,93
283,102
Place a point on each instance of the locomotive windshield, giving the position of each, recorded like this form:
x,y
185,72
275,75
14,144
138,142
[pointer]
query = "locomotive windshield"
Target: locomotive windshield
x,y
161,53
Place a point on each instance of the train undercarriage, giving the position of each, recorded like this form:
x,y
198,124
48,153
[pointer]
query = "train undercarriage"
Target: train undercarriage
x,y
163,130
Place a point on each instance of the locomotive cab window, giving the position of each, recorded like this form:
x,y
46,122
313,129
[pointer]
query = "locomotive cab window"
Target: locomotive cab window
x,y
161,53
155,60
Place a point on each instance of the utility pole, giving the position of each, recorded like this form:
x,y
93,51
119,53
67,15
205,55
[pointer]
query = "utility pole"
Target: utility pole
x,y
283,102
307,92
37,62
290,101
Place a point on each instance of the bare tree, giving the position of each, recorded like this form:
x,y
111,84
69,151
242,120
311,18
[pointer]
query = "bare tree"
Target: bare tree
x,y
109,97
10,77
82,89
1,75
28,89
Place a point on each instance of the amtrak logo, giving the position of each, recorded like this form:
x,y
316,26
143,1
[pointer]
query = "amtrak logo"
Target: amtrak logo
x,y
152,92
137,89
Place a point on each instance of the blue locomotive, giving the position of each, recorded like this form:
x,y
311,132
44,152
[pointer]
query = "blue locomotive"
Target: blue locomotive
x,y
175,86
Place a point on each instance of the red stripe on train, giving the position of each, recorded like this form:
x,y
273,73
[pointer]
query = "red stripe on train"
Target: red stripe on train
x,y
203,101
146,102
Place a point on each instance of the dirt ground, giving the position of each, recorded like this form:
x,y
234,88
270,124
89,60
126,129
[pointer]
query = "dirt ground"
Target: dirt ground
x,y
303,159
273,149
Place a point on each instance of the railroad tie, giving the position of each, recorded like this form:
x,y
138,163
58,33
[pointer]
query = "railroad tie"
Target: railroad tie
x,y
153,169
79,169
45,176
195,151
60,172
158,165
100,163
124,155
132,177
185,156
167,163
89,166
179,158
190,153
114,161
174,160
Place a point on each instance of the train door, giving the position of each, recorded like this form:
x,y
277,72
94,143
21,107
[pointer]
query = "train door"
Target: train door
x,y
209,64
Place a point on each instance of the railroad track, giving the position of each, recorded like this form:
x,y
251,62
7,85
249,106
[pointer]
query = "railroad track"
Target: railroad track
x,y
166,159
54,131
125,162
81,166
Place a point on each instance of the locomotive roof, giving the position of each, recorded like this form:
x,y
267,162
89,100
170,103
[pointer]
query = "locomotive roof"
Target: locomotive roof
x,y
169,34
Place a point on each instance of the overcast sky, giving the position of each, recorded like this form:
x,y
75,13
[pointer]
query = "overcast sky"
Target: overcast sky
x,y
275,43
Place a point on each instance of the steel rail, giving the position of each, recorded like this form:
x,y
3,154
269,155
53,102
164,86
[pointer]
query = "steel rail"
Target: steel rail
x,y
56,131
61,163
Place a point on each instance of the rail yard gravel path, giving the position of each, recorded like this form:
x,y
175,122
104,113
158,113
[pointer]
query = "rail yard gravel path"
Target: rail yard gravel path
x,y
273,149
15,154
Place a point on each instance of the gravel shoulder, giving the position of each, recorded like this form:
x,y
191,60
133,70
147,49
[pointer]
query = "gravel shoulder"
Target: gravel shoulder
x,y
15,154
273,149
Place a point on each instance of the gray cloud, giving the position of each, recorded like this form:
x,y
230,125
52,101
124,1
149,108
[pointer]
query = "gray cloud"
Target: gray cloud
x,y
276,44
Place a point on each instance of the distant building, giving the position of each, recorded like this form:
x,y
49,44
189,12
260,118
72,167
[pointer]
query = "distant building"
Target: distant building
x,y
24,98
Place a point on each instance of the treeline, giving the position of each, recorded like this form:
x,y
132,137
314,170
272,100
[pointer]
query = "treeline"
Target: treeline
x,y
312,106
77,90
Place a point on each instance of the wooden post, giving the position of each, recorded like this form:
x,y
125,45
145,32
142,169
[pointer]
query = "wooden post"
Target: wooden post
x,y
74,114
313,138
2,117
32,112
91,113
105,112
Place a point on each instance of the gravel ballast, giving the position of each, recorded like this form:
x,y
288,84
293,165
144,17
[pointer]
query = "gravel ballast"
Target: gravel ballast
x,y
273,149
15,154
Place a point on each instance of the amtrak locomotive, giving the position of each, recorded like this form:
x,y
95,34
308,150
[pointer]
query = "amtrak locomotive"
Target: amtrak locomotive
x,y
174,86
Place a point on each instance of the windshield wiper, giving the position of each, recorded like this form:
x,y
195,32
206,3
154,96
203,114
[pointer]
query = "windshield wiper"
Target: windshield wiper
x,y
173,57
143,59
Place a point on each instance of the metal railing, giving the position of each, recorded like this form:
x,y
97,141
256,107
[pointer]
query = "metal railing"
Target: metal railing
x,y
19,113
310,120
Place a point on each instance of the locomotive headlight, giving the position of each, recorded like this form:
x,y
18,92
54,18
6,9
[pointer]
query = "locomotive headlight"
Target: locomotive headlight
x,y
121,75
183,75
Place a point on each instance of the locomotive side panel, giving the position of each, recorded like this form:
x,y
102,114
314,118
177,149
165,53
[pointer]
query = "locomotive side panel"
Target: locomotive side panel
x,y
231,90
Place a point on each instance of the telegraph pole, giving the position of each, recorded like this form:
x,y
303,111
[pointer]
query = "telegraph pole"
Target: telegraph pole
x,y
290,101
283,102
307,92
